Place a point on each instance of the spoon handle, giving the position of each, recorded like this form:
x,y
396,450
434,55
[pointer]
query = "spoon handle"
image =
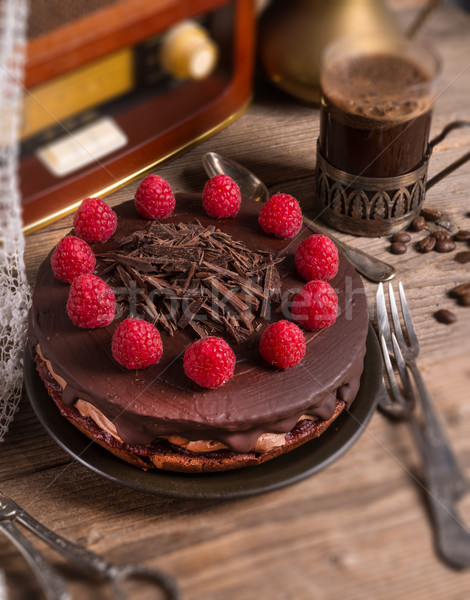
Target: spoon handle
x,y
374,269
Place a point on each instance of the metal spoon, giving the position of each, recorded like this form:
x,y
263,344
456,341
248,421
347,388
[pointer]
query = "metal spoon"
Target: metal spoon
x,y
251,187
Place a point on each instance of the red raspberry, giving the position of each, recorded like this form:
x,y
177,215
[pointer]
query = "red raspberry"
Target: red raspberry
x,y
154,198
315,306
136,344
72,257
282,344
221,197
317,258
94,220
91,302
281,215
209,362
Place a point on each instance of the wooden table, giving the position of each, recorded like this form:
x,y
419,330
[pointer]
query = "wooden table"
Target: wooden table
x,y
358,529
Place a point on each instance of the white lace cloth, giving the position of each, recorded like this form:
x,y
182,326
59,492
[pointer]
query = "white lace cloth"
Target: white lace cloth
x,y
3,587
14,289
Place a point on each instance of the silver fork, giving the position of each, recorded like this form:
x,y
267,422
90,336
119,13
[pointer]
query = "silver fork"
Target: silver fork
x,y
54,587
445,481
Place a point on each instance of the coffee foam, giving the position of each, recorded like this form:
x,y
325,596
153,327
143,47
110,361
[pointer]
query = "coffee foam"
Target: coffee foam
x,y
376,90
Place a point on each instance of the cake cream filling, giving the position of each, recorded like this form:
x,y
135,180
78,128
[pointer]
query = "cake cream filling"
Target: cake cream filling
x,y
265,443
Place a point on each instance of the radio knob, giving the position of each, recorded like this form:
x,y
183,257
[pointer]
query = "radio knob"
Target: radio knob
x,y
187,51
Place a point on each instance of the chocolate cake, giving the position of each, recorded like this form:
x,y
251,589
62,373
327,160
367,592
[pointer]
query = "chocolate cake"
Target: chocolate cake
x,y
158,417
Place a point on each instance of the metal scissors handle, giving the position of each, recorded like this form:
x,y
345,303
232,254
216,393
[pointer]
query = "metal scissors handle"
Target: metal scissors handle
x,y
52,583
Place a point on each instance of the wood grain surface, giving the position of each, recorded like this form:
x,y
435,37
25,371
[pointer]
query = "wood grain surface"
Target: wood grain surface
x,y
360,528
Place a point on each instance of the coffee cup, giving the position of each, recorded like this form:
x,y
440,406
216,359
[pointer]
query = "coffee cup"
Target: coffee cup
x,y
377,95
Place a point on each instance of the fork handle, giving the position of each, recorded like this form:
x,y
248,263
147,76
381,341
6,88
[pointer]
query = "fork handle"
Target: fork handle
x,y
444,478
80,556
452,538
435,434
52,584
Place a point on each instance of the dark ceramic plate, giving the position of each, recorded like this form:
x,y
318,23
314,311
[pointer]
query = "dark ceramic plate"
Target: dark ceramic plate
x,y
284,470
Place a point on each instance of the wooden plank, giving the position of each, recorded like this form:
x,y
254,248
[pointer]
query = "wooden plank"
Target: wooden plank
x,y
357,530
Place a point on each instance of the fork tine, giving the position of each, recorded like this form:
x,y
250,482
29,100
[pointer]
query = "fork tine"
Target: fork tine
x,y
390,373
382,317
396,317
403,372
410,328
394,402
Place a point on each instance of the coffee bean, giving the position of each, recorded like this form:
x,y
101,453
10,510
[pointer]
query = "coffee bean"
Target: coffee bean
x,y
446,223
462,257
441,235
398,248
427,244
460,290
464,299
418,224
401,236
432,214
462,235
445,245
445,316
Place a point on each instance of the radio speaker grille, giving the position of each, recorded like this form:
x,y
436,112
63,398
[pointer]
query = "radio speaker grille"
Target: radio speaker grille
x,y
46,16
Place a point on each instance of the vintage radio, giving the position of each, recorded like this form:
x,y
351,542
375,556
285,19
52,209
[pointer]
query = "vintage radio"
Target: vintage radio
x,y
115,87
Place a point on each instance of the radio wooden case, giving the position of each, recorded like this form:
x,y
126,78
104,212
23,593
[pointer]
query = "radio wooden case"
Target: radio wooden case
x,y
99,75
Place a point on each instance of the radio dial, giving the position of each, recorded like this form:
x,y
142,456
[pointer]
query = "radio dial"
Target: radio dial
x,y
188,52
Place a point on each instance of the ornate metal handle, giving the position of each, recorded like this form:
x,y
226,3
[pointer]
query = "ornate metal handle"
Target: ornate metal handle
x,y
52,584
452,538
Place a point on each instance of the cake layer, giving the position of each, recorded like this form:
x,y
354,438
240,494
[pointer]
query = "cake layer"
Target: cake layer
x,y
162,454
55,385
161,400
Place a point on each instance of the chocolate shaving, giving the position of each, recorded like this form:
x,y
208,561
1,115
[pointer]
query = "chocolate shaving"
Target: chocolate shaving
x,y
191,311
186,275
266,292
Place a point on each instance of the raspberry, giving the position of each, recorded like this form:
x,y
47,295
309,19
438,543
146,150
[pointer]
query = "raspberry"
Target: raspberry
x,y
282,344
154,198
317,258
221,197
72,257
94,220
209,362
91,302
281,215
315,306
136,344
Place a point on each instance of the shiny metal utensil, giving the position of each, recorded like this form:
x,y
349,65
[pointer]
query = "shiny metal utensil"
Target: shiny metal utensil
x,y
251,187
444,479
51,582
410,350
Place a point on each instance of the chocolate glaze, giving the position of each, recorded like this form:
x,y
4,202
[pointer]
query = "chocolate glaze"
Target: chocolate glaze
x,y
303,430
161,400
